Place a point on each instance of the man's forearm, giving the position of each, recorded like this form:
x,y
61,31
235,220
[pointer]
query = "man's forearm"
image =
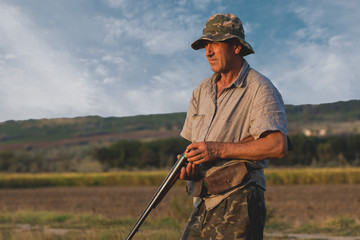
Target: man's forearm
x,y
269,145
273,145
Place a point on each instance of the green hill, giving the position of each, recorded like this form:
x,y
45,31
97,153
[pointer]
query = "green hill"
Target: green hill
x,y
336,118
333,112
85,127
94,143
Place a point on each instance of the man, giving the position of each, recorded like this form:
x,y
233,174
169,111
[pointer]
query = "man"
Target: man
x,y
236,120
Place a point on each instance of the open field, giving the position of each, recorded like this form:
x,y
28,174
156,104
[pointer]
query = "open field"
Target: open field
x,y
274,176
294,204
304,208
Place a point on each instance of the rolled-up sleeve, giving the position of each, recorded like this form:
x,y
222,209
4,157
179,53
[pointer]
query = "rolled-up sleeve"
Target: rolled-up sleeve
x,y
268,111
187,128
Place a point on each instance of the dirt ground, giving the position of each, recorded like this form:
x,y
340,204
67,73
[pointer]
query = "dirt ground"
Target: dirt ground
x,y
296,204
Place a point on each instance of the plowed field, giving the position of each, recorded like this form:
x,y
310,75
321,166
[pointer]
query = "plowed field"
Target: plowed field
x,y
296,204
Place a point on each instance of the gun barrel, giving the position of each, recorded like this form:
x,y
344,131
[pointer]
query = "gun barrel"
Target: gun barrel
x,y
160,193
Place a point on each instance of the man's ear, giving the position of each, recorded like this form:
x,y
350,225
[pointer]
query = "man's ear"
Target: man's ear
x,y
237,48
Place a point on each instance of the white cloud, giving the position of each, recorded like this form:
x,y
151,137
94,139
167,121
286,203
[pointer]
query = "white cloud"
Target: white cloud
x,y
36,80
169,91
115,3
159,32
318,63
101,70
123,57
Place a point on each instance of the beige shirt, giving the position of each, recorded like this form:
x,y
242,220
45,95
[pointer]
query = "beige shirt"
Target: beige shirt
x,y
250,105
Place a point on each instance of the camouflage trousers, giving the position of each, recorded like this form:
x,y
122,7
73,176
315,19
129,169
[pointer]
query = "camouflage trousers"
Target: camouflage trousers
x,y
240,216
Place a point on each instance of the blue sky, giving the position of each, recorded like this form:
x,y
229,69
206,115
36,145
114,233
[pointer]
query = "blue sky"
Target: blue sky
x,y
74,58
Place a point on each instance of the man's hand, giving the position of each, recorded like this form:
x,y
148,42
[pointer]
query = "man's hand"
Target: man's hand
x,y
190,172
203,152
197,153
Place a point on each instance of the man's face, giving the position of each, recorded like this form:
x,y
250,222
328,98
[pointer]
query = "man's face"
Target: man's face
x,y
221,56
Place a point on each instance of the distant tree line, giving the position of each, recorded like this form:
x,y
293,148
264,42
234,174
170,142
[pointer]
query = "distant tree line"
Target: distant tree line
x,y
141,154
23,162
322,151
307,151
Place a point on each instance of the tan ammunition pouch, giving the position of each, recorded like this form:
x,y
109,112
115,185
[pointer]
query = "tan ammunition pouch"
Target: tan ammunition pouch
x,y
226,178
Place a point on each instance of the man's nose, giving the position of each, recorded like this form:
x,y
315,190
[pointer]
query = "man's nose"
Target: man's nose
x,y
208,51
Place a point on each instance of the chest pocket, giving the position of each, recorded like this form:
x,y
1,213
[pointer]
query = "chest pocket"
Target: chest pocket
x,y
198,128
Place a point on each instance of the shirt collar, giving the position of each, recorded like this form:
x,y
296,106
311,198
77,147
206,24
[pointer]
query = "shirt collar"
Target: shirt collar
x,y
238,82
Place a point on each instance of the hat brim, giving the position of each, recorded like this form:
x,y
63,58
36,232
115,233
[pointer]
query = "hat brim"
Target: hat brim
x,y
200,43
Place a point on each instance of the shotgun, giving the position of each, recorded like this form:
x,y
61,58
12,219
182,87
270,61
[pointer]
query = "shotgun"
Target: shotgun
x,y
169,181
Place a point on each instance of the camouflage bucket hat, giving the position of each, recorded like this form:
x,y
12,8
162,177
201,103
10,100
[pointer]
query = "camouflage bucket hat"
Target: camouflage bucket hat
x,y
221,27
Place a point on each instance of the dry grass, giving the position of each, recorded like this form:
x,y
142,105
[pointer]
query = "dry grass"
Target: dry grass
x,y
274,176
